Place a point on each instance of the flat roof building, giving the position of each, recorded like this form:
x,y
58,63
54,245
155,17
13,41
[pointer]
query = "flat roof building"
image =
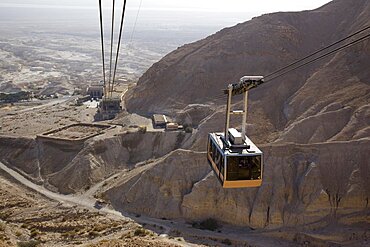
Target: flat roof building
x,y
159,121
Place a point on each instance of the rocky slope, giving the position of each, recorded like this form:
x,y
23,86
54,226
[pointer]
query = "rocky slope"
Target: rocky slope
x,y
70,167
335,89
313,122
299,180
30,219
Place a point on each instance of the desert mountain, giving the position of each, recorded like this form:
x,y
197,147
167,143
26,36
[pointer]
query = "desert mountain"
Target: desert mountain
x,y
306,121
312,125
328,100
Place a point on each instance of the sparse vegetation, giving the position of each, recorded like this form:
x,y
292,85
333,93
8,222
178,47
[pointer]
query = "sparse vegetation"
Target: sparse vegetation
x,y
94,234
188,129
365,180
175,233
335,179
142,129
208,224
14,97
141,232
2,226
31,243
34,232
226,241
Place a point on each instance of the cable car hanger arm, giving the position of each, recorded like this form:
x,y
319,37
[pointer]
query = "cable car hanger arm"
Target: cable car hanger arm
x,y
245,84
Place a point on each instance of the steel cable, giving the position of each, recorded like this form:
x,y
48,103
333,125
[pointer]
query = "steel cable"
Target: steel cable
x,y
119,43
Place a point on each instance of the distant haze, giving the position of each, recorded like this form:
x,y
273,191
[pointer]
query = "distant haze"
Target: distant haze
x,y
218,13
258,6
162,25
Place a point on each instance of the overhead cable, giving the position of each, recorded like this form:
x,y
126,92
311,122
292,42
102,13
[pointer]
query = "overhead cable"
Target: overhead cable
x,y
137,16
102,45
119,43
111,45
354,42
318,51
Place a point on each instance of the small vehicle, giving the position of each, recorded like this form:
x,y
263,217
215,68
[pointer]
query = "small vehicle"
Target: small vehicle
x,y
99,204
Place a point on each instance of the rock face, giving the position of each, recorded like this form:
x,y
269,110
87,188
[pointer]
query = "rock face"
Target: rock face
x,y
334,91
70,167
298,181
312,123
159,190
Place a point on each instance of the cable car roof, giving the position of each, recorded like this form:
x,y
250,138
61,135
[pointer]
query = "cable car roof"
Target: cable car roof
x,y
252,150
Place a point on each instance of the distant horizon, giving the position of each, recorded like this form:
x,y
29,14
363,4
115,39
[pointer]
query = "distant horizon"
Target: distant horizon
x,y
177,13
233,6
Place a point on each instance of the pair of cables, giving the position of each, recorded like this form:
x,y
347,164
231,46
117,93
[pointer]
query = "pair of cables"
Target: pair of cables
x,y
315,56
319,54
112,74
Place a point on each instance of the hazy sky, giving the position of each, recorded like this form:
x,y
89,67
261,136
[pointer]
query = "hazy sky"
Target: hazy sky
x,y
257,6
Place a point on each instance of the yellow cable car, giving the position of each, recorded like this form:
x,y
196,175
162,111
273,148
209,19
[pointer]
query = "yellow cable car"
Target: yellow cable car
x,y
235,159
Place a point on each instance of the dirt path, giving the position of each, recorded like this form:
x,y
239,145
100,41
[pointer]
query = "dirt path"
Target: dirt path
x,y
241,235
84,201
68,199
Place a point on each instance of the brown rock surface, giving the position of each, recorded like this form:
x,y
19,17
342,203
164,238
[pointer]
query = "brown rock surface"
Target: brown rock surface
x,y
332,91
71,166
159,190
299,181
316,119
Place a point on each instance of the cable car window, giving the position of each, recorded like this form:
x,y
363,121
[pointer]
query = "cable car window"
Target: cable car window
x,y
243,168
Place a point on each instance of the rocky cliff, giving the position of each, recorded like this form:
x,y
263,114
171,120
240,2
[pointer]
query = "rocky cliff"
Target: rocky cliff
x,y
313,123
334,91
69,167
302,184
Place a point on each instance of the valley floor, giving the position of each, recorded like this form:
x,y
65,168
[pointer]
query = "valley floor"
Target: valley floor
x,y
30,212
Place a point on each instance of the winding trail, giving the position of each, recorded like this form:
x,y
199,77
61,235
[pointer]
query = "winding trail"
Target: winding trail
x,y
239,234
84,201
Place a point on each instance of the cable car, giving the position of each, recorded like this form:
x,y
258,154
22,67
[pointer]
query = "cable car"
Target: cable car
x,y
235,159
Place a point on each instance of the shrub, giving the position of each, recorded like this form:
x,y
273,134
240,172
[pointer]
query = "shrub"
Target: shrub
x,y
31,243
142,129
175,233
208,224
140,232
226,241
2,226
94,234
188,129
34,232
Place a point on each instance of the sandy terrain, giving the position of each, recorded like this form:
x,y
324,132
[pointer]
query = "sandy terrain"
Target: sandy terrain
x,y
56,63
28,216
19,120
